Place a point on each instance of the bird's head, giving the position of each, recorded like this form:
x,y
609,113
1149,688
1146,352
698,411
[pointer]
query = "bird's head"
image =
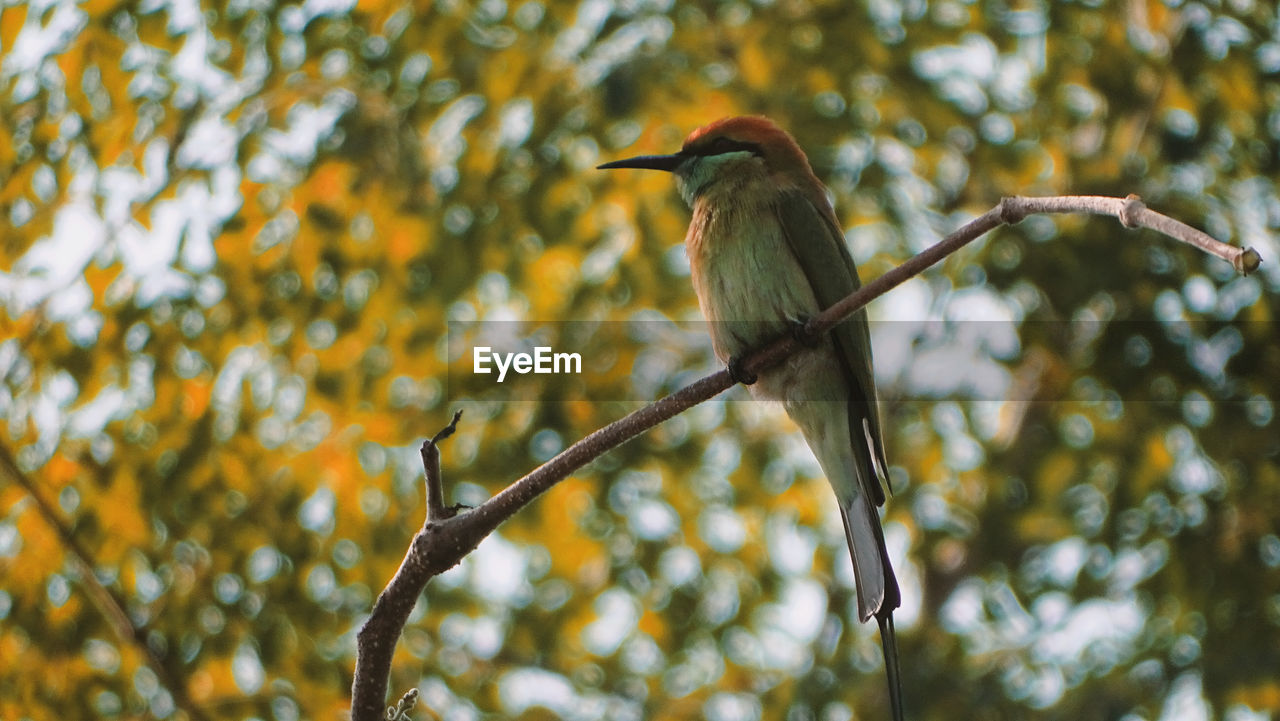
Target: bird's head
x,y
738,150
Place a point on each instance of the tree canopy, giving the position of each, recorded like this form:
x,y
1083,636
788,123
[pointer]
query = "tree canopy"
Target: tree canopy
x,y
249,247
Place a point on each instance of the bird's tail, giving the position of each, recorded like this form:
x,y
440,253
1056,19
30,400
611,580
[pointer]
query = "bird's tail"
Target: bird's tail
x,y
852,473
878,592
889,641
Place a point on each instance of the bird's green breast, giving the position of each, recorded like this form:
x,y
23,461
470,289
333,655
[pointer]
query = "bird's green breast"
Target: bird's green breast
x,y
746,278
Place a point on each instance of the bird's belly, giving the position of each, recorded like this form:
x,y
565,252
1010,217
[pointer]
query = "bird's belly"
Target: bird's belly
x,y
749,286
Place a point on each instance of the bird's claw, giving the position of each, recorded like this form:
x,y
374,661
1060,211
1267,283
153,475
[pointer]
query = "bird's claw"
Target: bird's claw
x,y
740,374
801,333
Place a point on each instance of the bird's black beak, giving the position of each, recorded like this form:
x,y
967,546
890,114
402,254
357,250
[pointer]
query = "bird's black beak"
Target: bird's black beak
x,y
647,162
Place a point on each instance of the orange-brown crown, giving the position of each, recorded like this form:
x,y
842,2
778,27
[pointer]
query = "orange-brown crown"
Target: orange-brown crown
x,y
754,132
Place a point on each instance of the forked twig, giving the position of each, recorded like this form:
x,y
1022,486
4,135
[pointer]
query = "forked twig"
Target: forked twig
x,y
430,451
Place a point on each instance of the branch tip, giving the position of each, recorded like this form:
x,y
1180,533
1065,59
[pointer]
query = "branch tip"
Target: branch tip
x,y
1247,261
447,430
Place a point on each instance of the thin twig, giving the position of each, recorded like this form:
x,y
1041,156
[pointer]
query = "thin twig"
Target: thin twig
x,y
1133,213
448,430
108,602
430,452
453,538
1130,211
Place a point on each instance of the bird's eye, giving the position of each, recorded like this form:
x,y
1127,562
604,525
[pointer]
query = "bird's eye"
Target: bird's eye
x,y
723,144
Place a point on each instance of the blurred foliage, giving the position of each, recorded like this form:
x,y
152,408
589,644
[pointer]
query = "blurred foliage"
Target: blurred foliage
x,y
239,237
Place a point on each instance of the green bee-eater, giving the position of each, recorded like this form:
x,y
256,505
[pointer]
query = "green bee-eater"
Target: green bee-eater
x,y
766,253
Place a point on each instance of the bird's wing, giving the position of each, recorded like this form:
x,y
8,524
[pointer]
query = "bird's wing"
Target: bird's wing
x,y
819,248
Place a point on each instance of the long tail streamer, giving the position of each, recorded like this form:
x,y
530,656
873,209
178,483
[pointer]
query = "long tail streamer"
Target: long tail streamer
x,y
889,640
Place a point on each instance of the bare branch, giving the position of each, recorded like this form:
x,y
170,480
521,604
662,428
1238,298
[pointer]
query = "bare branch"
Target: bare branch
x,y
376,641
108,602
480,522
452,538
1133,213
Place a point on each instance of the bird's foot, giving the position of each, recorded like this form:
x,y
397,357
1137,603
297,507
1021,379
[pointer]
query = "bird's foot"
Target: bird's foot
x,y
740,374
799,326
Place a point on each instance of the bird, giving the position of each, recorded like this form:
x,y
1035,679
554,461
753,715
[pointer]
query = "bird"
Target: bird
x,y
766,254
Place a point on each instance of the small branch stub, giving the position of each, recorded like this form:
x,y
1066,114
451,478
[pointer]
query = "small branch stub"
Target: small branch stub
x,y
1129,211
430,451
